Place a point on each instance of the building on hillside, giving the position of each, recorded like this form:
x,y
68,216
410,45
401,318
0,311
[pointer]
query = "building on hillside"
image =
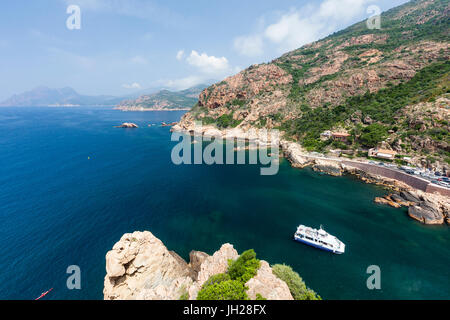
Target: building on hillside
x,y
382,154
340,136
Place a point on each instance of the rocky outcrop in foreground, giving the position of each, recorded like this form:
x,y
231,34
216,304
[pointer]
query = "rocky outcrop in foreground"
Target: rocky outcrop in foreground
x,y
140,267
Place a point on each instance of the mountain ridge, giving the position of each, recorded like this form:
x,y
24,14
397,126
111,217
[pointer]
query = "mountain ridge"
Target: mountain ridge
x,y
164,100
67,96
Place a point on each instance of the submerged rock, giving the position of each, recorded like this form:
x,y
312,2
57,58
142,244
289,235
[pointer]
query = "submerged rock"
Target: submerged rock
x,y
388,202
128,125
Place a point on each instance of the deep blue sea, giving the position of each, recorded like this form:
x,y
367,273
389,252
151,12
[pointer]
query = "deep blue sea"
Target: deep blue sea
x,y
71,185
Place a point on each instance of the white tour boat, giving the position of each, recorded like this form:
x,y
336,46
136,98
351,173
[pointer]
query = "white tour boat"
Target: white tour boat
x,y
319,239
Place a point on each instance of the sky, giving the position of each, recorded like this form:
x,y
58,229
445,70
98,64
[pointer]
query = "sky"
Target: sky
x,y
123,46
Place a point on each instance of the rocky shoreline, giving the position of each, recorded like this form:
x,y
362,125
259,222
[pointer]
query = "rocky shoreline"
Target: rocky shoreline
x,y
140,267
428,208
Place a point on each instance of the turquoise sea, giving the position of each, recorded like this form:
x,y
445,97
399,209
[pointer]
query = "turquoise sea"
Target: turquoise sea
x,y
71,185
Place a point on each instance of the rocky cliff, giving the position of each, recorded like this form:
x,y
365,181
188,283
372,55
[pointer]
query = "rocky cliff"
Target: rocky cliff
x,y
384,87
140,267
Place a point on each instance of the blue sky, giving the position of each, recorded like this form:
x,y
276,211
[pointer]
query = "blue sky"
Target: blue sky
x,y
124,46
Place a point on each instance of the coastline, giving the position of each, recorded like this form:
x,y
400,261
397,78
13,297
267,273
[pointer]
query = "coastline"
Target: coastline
x,y
426,195
141,109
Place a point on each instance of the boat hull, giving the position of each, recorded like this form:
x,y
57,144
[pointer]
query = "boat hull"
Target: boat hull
x,y
317,246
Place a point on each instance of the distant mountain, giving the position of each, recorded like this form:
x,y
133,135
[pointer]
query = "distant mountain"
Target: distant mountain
x,y
164,100
44,96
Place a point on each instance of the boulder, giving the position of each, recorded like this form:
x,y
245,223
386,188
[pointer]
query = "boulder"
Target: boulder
x,y
388,202
268,285
217,263
398,199
427,213
330,167
140,267
410,196
196,259
294,153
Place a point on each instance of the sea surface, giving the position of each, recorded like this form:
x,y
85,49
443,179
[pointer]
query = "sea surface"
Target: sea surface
x,y
71,185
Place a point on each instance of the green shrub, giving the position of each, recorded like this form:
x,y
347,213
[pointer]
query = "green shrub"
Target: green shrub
x,y
245,267
260,297
217,278
227,121
295,283
373,134
225,290
184,296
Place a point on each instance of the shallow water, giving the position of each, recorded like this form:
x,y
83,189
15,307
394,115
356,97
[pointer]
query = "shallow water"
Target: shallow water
x,y
71,185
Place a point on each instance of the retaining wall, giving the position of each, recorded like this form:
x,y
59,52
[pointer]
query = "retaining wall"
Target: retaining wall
x,y
412,181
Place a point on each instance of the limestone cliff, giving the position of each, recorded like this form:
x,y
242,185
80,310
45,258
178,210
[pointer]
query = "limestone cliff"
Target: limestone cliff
x,y
140,267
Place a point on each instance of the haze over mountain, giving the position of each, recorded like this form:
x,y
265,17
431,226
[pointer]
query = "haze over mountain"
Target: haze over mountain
x,y
44,96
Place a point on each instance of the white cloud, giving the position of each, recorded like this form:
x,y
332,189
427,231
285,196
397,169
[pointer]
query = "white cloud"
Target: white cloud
x,y
250,46
180,55
138,60
298,27
293,31
208,64
133,85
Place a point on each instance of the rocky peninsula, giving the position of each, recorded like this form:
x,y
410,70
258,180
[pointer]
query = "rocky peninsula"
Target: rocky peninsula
x,y
140,267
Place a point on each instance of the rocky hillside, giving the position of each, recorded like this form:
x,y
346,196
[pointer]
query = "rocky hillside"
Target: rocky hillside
x,y
164,100
387,86
140,267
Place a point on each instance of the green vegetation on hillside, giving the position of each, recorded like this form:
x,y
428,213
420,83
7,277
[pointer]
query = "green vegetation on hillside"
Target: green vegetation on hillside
x,y
231,285
295,283
245,267
381,106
